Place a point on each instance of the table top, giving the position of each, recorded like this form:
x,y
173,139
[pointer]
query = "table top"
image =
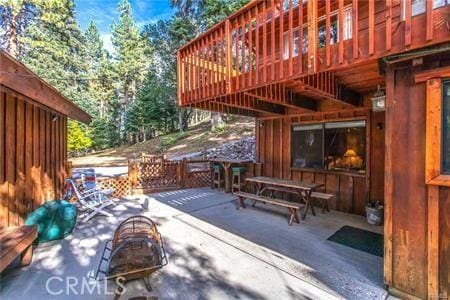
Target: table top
x,y
294,184
231,160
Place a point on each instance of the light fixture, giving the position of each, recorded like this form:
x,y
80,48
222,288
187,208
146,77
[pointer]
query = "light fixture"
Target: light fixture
x,y
379,100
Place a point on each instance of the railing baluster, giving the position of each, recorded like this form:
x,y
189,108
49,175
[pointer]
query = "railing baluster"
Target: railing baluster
x,y
355,29
243,50
272,41
341,32
264,60
300,36
312,35
407,23
250,47
281,47
371,27
179,78
237,53
257,17
291,38
228,31
327,32
388,24
429,31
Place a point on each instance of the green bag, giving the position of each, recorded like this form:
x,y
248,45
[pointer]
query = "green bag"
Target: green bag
x,y
55,220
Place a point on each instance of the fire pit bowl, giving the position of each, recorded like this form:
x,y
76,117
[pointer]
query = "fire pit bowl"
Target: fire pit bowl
x,y
135,251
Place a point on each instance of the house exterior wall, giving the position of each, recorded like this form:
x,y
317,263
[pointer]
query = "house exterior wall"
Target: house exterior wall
x,y
351,191
417,236
33,156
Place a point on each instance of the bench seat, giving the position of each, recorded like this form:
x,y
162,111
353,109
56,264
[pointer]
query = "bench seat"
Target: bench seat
x,y
323,197
291,206
15,241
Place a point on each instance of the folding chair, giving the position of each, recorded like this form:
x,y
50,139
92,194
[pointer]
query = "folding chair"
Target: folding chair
x,y
89,182
92,201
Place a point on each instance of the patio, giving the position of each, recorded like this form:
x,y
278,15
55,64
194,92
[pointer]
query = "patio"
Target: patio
x,y
214,251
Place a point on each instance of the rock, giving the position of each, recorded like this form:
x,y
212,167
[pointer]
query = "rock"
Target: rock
x,y
241,149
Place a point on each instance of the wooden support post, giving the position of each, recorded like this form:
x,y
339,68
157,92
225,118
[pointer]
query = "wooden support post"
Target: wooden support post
x,y
433,241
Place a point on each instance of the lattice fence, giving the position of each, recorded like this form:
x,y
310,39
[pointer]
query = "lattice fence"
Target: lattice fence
x,y
197,173
120,184
197,179
157,175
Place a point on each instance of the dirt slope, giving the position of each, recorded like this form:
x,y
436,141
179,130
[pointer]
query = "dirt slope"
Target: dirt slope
x,y
197,138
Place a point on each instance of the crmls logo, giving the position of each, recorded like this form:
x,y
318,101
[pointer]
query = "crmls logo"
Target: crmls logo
x,y
71,285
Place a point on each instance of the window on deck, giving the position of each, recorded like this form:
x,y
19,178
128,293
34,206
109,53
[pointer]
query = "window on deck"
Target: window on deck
x,y
419,6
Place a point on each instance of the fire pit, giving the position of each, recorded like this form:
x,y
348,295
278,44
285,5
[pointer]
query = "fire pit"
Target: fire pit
x,y
135,252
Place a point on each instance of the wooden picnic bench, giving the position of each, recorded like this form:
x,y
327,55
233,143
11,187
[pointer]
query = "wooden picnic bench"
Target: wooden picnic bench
x,y
302,189
14,242
291,206
322,197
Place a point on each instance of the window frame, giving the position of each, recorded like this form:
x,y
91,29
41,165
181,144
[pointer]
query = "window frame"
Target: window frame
x,y
366,121
434,79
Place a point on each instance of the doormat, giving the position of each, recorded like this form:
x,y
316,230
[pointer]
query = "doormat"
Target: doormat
x,y
360,239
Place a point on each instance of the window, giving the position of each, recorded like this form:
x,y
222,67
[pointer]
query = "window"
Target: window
x,y
437,142
419,6
446,127
307,146
345,146
440,3
334,27
337,146
348,23
295,44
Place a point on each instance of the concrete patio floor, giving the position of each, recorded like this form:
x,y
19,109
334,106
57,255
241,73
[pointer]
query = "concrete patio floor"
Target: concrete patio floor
x,y
214,252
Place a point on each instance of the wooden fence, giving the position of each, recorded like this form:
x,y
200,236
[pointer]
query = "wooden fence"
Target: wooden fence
x,y
147,177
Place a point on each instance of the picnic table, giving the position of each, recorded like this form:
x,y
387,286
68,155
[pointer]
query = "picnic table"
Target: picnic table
x,y
303,189
227,163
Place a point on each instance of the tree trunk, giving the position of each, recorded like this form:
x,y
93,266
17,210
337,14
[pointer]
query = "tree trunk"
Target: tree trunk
x,y
216,120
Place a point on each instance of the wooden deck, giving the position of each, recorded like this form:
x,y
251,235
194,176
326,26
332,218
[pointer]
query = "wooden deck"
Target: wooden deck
x,y
257,62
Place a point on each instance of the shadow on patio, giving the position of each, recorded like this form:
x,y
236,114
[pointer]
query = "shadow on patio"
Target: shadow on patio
x,y
214,252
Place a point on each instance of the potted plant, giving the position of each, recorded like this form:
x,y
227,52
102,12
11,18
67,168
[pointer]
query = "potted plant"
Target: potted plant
x,y
374,213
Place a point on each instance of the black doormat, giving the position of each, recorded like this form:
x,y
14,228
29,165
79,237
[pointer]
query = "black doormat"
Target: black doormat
x,y
363,240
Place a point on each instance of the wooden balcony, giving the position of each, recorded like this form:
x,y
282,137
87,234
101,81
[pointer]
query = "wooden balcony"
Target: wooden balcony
x,y
272,56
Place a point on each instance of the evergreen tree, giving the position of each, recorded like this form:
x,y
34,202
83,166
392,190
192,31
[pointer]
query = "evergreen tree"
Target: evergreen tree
x,y
55,50
130,52
15,18
101,89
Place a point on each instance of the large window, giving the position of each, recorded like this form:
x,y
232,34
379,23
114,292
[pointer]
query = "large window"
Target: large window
x,y
446,128
307,146
337,146
345,146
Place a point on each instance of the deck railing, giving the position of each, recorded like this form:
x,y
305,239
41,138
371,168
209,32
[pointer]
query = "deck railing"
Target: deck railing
x,y
274,41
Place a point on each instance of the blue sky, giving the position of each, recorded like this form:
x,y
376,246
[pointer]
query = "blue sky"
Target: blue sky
x,y
103,12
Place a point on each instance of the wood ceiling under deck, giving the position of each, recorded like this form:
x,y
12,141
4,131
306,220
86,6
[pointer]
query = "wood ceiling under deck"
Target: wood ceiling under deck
x,y
303,95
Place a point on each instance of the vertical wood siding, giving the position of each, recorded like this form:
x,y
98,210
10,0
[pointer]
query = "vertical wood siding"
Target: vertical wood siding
x,y
273,140
32,157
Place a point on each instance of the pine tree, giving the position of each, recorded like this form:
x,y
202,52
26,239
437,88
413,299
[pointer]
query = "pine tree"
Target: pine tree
x,y
15,18
130,52
56,50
